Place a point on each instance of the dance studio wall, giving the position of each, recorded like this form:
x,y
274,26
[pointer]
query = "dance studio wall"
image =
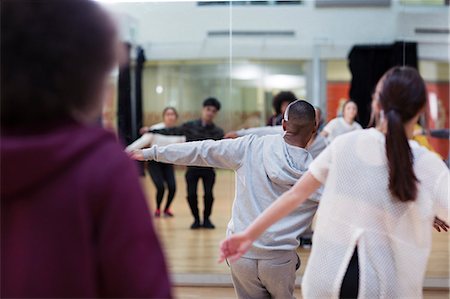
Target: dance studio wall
x,y
246,98
441,91
337,94
338,79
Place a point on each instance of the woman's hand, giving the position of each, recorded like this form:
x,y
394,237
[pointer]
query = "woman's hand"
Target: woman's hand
x,y
137,155
231,135
440,224
144,130
234,247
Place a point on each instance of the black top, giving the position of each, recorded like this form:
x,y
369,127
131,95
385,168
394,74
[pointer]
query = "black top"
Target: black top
x,y
275,120
194,130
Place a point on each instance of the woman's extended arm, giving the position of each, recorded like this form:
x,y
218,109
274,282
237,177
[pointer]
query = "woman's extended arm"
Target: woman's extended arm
x,y
236,245
144,141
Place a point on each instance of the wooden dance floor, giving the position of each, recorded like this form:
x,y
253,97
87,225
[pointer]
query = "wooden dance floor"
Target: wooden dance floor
x,y
194,252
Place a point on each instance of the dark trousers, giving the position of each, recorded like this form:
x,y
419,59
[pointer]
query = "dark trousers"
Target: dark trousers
x,y
162,175
350,284
193,175
141,168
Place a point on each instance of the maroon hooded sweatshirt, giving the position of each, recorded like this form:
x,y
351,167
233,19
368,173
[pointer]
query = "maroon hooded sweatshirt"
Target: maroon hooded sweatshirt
x,y
74,221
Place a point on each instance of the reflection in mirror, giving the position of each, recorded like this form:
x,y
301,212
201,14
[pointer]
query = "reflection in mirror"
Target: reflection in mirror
x,y
183,67
285,148
245,53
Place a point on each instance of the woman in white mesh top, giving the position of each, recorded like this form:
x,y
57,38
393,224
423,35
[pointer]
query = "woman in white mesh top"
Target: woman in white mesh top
x,y
382,192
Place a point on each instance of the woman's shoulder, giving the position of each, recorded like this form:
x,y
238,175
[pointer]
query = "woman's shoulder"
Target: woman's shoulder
x,y
335,120
426,159
357,125
364,136
331,124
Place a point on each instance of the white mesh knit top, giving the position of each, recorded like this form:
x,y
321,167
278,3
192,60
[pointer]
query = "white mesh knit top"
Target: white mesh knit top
x,y
357,209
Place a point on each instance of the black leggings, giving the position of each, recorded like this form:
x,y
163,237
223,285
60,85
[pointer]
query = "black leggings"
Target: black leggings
x,y
162,173
350,284
193,175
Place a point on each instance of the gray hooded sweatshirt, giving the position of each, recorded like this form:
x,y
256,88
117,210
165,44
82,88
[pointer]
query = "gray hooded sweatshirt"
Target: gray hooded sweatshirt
x,y
265,167
318,145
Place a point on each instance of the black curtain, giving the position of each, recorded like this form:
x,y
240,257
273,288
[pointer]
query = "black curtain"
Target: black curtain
x,y
368,63
125,111
124,99
140,61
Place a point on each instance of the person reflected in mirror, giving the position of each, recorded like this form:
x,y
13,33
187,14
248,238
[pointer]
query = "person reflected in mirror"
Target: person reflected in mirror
x,y
280,101
162,174
196,130
342,124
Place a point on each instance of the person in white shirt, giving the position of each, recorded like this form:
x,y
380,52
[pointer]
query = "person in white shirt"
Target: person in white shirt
x,y
162,174
382,193
342,124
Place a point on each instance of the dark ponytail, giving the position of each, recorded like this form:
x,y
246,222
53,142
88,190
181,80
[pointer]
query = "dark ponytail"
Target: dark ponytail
x,y
402,96
402,179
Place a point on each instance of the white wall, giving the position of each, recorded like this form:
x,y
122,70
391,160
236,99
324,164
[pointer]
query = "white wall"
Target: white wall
x,y
178,30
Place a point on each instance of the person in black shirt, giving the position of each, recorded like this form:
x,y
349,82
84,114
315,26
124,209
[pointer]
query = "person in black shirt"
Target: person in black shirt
x,y
196,130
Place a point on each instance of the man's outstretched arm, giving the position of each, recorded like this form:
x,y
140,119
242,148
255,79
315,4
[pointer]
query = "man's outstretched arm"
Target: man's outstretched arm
x,y
228,153
258,131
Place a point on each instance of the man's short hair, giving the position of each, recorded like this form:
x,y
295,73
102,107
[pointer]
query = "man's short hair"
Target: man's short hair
x,y
212,102
301,116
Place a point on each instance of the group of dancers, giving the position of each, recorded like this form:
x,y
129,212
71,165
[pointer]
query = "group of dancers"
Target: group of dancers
x,y
75,224
376,195
163,174
167,132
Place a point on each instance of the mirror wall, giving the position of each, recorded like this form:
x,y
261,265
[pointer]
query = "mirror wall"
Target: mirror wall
x,y
244,53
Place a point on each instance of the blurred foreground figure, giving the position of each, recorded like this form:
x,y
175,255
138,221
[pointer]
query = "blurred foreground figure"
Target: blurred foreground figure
x,y
70,225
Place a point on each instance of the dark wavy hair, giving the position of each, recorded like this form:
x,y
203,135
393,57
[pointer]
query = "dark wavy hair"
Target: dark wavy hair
x,y
402,95
282,97
212,102
55,57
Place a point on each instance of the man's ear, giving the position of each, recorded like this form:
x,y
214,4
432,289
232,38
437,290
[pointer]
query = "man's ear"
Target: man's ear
x,y
284,124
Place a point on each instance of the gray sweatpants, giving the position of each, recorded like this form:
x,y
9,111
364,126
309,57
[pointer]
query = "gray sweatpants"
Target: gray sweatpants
x,y
265,278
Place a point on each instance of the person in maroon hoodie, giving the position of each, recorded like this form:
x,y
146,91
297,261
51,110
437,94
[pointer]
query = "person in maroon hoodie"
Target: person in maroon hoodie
x,y
74,221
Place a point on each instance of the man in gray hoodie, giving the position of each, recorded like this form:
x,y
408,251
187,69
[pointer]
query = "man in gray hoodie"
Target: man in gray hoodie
x,y
315,146
265,167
